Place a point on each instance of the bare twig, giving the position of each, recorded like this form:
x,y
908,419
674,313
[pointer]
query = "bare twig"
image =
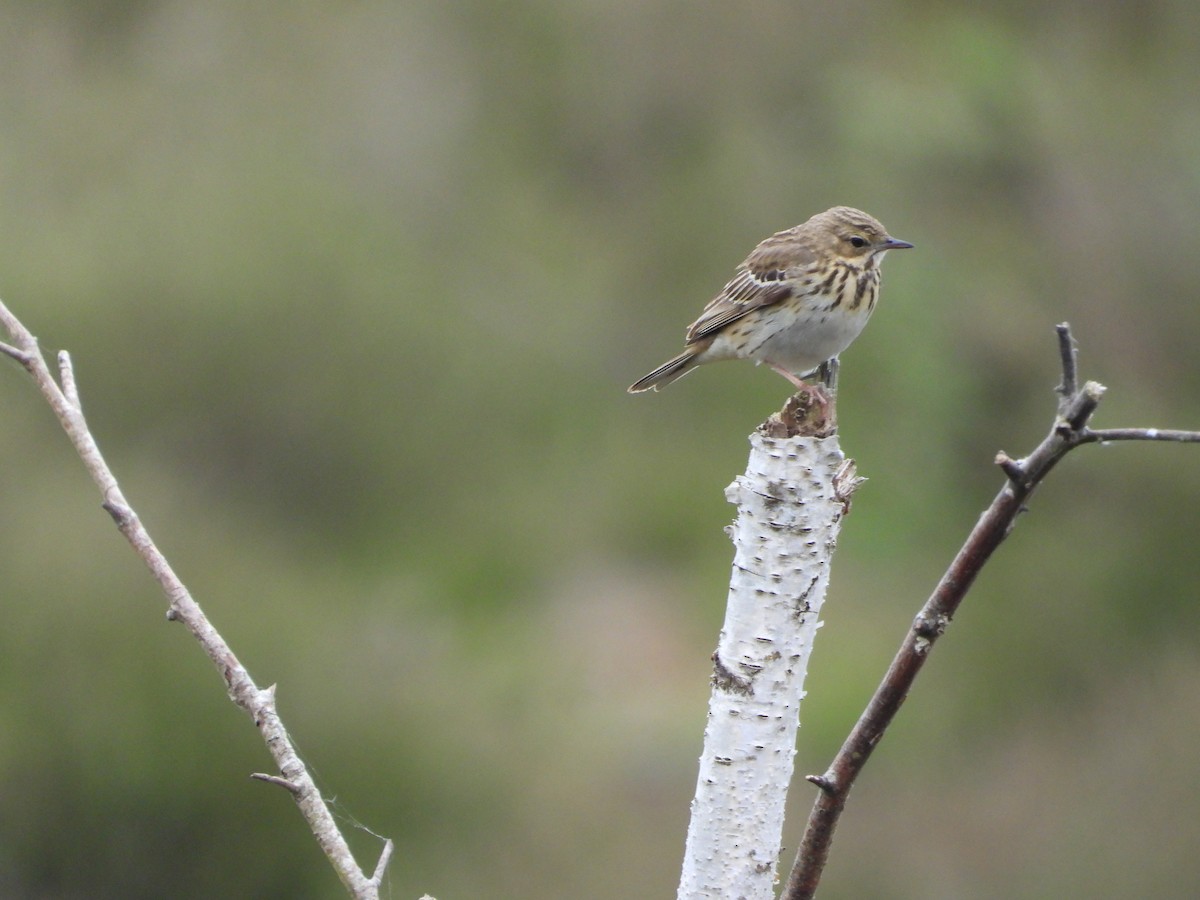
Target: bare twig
x,y
1140,434
1070,431
258,703
66,374
1069,354
289,786
381,866
1010,466
10,350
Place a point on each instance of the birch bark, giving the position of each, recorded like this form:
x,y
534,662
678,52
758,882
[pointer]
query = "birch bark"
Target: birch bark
x,y
790,504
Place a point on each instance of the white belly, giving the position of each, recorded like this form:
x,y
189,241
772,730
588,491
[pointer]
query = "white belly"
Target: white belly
x,y
798,344
801,346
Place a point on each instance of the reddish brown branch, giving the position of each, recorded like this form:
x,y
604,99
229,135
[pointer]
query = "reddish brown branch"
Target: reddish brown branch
x,y
1023,476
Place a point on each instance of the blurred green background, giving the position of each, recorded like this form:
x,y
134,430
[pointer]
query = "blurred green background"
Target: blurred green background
x,y
353,292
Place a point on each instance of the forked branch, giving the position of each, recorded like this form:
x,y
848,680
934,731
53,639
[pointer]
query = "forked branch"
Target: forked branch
x,y
1070,430
259,703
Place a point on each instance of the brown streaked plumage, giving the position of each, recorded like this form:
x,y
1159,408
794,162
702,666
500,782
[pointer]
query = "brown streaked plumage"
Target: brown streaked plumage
x,y
800,298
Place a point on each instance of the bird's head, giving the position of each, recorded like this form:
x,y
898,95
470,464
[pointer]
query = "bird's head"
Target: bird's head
x,y
858,238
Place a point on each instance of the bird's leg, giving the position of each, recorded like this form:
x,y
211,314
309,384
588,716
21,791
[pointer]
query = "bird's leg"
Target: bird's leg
x,y
819,395
828,371
799,383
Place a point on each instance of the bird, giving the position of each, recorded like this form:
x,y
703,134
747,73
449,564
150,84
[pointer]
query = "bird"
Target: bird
x,y
798,300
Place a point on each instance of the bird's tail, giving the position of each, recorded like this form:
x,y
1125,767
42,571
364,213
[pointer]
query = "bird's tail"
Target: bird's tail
x,y
667,372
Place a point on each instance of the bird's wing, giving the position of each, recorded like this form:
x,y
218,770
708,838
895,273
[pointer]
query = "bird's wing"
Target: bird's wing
x,y
762,280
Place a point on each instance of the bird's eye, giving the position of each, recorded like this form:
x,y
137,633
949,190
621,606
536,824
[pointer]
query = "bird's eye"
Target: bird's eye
x,y
857,241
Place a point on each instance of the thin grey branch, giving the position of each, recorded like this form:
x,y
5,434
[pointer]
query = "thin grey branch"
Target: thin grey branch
x,y
1101,435
258,703
289,786
381,867
66,375
10,350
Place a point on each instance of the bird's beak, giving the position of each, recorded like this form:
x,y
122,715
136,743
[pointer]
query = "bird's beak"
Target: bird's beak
x,y
892,244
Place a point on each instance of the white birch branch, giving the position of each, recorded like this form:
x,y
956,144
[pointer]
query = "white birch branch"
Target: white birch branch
x,y
259,703
790,504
